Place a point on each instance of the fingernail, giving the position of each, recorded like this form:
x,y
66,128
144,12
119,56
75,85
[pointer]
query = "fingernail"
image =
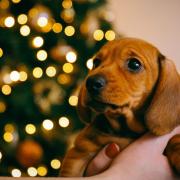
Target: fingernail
x,y
112,150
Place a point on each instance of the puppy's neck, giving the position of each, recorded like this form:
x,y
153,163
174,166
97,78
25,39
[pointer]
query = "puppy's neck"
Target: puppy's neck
x,y
119,124
133,122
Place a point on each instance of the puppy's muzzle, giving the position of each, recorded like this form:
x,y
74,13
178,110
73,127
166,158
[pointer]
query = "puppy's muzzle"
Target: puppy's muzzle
x,y
95,84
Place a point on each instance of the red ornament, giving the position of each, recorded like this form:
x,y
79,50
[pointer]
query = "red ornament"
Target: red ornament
x,y
29,153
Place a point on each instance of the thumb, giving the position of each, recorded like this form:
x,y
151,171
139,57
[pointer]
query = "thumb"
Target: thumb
x,y
102,160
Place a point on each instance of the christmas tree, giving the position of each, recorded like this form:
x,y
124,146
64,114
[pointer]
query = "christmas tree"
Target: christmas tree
x,y
45,52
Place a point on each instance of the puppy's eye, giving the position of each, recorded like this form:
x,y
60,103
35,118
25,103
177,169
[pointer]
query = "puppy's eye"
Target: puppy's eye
x,y
96,63
134,65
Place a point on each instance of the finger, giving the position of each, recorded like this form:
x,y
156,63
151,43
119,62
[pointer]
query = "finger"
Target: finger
x,y
103,159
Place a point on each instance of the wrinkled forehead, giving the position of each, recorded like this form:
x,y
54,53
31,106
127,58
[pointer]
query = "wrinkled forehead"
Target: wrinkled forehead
x,y
127,47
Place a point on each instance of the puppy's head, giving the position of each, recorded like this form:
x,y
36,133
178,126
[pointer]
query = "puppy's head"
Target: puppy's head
x,y
128,73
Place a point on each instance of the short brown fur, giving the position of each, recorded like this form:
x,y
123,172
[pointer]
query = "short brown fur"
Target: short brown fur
x,y
130,104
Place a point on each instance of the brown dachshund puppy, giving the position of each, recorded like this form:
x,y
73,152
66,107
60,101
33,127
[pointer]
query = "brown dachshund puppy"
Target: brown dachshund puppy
x,y
131,89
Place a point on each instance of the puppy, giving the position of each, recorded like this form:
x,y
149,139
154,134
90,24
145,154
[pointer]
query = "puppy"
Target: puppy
x,y
131,89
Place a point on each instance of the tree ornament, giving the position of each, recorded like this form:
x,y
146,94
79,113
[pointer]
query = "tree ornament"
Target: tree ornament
x,y
68,15
59,52
47,93
2,106
90,24
29,153
4,5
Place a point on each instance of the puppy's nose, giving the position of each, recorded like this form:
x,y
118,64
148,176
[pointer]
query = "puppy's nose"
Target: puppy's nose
x,y
95,84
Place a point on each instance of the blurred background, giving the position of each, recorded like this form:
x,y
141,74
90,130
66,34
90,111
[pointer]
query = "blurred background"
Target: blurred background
x,y
46,49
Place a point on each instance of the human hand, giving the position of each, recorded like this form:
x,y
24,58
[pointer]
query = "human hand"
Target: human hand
x,y
141,160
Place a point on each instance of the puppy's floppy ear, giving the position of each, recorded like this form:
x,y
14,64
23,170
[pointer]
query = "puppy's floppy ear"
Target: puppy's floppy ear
x,y
163,113
84,112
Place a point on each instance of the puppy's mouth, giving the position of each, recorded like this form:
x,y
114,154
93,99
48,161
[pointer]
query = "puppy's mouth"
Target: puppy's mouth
x,y
100,106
